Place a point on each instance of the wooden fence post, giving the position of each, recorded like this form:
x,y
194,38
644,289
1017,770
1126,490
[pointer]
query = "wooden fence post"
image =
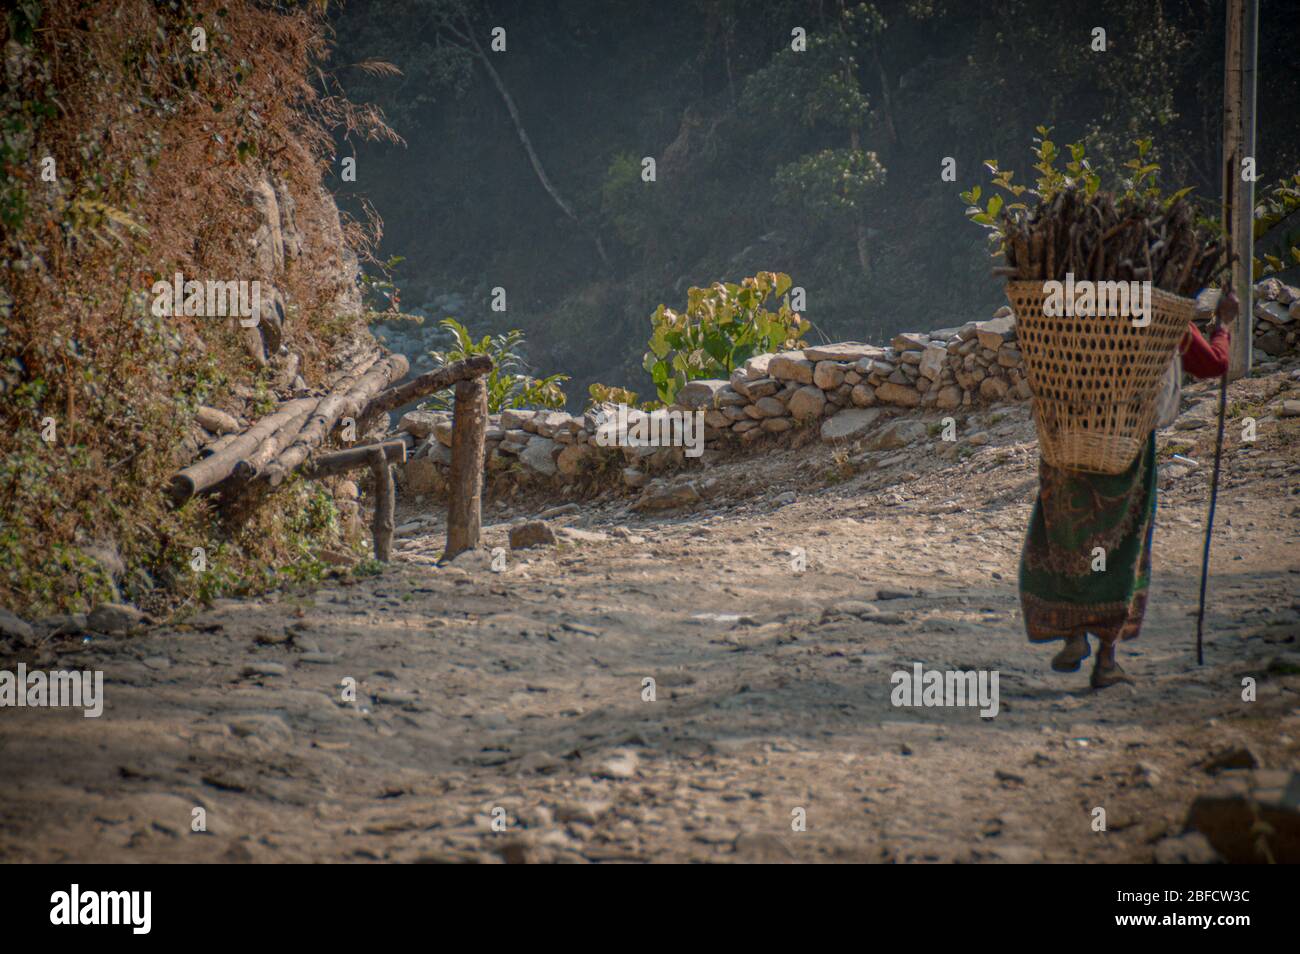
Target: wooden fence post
x,y
469,427
383,526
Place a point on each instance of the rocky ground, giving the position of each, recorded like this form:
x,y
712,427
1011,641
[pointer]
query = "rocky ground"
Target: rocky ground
x,y
517,696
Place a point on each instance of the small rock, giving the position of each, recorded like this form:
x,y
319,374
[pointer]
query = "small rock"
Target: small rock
x,y
115,618
534,533
1191,848
623,765
253,670
1237,757
14,628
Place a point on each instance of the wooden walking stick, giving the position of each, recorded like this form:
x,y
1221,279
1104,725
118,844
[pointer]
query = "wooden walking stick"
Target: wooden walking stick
x,y
1214,496
1229,172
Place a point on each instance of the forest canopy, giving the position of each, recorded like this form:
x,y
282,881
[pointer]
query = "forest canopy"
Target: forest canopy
x,y
802,137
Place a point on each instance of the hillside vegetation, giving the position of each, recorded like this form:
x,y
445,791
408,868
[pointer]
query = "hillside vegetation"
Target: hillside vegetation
x,y
138,139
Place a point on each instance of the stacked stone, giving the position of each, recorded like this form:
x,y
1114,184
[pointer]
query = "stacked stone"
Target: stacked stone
x,y
1277,317
977,363
545,443
947,369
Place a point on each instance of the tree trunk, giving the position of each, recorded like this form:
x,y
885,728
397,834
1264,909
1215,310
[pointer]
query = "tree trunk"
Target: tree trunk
x,y
533,158
859,222
469,426
885,100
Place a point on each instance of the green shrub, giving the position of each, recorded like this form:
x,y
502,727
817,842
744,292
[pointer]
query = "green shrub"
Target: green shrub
x,y
509,384
723,326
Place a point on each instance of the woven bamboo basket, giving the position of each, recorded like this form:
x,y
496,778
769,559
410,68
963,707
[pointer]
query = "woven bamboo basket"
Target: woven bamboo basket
x,y
1095,380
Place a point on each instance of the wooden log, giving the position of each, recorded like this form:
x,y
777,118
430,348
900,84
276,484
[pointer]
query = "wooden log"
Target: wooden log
x,y
428,383
340,462
218,422
215,447
207,473
327,413
247,468
383,525
469,425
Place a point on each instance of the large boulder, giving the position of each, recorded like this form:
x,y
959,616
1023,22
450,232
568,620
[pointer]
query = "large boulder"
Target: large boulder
x,y
828,375
420,423
539,455
571,460
993,388
419,476
895,435
513,419
933,360
807,403
910,341
1233,815
993,332
699,394
902,395
791,366
849,424
844,351
948,398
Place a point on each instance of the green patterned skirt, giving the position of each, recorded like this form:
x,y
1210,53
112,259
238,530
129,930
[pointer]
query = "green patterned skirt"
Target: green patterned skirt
x,y
1086,564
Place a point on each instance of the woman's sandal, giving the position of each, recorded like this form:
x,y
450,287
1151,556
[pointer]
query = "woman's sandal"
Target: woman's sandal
x,y
1104,676
1072,656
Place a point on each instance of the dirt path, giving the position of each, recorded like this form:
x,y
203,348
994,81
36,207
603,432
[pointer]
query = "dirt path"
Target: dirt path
x,y
520,692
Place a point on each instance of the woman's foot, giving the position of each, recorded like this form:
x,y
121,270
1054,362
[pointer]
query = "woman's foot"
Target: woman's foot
x,y
1107,670
1076,650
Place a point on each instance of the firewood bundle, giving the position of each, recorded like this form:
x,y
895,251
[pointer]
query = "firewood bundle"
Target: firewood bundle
x,y
1100,239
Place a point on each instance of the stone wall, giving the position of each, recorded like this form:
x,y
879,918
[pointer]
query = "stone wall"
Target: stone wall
x,y
844,391
1277,318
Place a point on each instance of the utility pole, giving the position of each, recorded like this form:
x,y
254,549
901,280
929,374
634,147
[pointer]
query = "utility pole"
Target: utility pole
x,y
1241,45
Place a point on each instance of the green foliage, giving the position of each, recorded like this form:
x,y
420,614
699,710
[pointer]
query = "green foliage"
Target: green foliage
x,y
1138,180
598,393
625,200
509,384
380,295
723,326
828,184
816,86
1275,208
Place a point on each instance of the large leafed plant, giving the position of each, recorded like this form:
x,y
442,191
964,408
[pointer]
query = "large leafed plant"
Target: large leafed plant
x,y
723,326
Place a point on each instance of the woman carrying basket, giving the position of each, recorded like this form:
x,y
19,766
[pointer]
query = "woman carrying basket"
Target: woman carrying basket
x,y
1062,594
